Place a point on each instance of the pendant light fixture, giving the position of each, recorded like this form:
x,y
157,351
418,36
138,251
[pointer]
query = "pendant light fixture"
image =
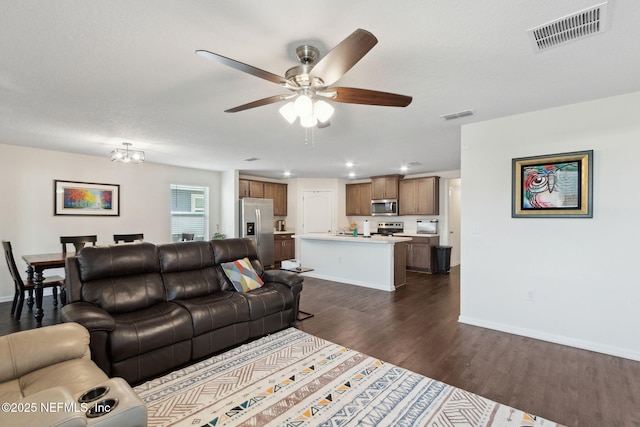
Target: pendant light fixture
x,y
126,155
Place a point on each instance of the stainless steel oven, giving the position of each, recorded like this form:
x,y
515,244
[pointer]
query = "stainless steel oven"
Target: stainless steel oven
x,y
388,228
386,207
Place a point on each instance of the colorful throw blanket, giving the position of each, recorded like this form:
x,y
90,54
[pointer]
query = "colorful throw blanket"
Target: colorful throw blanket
x,y
292,379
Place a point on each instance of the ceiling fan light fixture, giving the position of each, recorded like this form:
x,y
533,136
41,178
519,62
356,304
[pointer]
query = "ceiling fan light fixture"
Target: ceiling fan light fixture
x,y
303,106
308,121
323,110
288,111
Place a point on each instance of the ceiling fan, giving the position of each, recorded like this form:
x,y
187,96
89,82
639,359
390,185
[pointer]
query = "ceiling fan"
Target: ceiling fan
x,y
310,82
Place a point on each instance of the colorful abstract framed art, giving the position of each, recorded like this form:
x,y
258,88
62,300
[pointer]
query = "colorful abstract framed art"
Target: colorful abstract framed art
x,y
553,186
86,198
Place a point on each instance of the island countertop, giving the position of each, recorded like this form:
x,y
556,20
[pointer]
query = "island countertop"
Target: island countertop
x,y
377,262
375,239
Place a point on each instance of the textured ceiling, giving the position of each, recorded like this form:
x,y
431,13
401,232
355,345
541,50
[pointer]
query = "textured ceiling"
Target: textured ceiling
x,y
84,76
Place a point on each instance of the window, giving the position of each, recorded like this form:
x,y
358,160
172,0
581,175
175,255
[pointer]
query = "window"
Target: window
x,y
189,212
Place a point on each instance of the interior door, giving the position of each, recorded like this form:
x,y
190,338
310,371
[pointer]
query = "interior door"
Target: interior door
x,y
317,211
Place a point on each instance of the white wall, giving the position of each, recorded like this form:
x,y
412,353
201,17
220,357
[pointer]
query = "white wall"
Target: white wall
x,y
572,281
230,208
26,209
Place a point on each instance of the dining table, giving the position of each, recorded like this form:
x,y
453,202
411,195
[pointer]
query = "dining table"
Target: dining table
x,y
36,264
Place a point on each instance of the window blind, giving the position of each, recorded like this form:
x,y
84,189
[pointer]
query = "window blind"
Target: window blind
x,y
189,212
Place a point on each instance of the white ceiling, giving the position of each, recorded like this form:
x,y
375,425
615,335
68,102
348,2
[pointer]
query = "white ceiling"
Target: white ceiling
x,y
84,76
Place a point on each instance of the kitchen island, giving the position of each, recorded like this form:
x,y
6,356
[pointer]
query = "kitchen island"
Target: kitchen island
x,y
377,262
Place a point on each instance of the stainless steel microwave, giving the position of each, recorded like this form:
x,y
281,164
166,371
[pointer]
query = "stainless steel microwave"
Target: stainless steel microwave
x,y
387,207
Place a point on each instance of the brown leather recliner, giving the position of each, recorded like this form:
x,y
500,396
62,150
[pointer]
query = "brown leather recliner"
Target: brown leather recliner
x,y
150,308
118,294
271,307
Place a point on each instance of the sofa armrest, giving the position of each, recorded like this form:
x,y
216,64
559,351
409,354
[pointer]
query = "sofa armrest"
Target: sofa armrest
x,y
65,411
288,278
27,351
88,315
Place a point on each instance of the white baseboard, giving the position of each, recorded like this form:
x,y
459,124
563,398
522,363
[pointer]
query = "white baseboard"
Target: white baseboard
x,y
348,281
557,339
45,292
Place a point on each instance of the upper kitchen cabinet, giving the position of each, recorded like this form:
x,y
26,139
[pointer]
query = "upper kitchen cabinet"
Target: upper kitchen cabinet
x,y
266,190
420,196
384,187
277,193
249,188
358,199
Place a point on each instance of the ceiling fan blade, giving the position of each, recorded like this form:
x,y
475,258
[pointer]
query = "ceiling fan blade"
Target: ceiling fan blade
x,y
344,56
352,95
242,67
258,103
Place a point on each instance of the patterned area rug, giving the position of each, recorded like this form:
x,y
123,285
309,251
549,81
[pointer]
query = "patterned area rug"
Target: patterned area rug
x,y
295,379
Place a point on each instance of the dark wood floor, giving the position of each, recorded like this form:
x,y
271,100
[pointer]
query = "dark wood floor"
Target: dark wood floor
x,y
416,327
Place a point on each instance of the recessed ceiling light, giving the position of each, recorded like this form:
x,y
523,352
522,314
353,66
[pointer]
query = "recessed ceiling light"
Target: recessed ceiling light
x,y
352,174
349,164
404,168
287,173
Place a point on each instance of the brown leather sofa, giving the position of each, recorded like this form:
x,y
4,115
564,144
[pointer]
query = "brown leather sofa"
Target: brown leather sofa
x,y
151,308
47,378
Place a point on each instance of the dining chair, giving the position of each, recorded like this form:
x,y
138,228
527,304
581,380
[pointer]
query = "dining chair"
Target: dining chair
x,y
187,237
21,287
77,241
128,238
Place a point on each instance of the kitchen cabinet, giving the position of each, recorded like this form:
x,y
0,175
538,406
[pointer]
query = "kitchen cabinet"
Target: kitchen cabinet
x,y
384,187
419,196
266,190
358,199
421,254
277,193
284,247
250,188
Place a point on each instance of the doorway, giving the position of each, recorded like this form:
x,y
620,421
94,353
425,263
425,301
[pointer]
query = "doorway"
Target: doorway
x,y
454,194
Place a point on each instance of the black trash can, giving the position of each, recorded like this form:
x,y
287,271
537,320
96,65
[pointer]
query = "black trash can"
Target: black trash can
x,y
443,259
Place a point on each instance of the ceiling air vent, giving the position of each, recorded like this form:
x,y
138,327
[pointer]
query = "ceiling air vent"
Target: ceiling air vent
x,y
581,24
457,115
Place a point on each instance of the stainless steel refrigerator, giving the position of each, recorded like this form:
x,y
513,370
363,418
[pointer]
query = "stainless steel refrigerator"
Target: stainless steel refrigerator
x,y
256,222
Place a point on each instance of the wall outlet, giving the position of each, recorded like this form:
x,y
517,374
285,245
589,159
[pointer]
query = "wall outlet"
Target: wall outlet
x,y
531,296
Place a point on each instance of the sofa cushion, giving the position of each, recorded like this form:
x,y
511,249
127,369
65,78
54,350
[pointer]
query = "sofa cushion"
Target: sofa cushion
x,y
98,262
188,269
121,278
269,299
77,376
215,311
10,391
148,329
242,275
228,250
22,352
123,294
